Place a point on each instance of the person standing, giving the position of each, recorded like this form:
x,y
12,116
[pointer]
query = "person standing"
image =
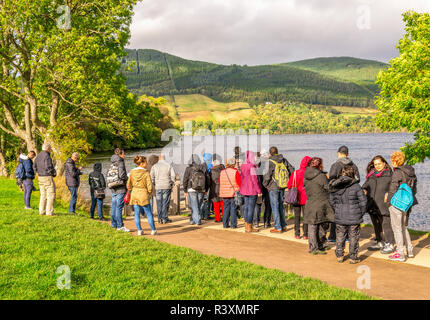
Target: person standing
x,y
334,173
116,181
349,203
229,181
72,174
276,180
403,173
27,164
296,180
263,165
250,188
163,177
195,184
153,159
317,211
44,167
97,183
140,185
376,187
214,188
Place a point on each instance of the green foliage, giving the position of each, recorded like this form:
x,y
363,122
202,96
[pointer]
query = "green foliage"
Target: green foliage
x,y
157,73
107,264
404,100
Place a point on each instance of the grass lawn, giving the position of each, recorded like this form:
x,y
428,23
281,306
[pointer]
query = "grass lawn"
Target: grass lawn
x,y
107,264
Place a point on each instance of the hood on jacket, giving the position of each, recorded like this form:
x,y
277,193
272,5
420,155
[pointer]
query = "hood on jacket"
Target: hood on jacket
x,y
250,157
97,167
116,158
345,161
207,158
406,169
341,184
195,159
22,158
304,162
311,173
277,157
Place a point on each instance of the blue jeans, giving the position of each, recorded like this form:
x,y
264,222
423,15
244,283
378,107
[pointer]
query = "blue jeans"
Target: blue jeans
x,y
277,204
94,202
249,208
116,210
73,199
195,199
163,202
28,188
138,210
229,210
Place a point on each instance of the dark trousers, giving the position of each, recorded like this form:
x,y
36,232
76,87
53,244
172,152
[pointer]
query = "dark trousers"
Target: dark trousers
x,y
298,210
332,235
28,188
229,210
73,199
96,202
249,208
383,229
317,237
351,232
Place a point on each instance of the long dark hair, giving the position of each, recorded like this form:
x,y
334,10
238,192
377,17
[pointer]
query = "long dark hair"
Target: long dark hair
x,y
371,166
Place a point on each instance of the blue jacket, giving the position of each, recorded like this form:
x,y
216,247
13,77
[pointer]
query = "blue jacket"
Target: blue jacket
x,y
28,166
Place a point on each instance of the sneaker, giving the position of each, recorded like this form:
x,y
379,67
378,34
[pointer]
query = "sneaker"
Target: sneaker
x,y
378,245
340,259
397,257
168,221
124,229
276,231
411,253
28,208
284,229
305,238
153,232
297,237
139,232
318,252
102,219
388,249
354,261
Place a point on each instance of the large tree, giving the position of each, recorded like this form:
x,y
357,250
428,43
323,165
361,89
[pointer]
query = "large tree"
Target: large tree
x,y
404,100
60,62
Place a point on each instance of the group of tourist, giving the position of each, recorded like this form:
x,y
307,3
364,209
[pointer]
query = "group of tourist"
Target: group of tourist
x,y
332,202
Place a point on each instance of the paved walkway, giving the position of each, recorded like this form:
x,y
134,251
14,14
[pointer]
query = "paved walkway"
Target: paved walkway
x,y
388,279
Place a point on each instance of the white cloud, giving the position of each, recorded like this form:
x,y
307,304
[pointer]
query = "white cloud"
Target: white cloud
x,y
270,31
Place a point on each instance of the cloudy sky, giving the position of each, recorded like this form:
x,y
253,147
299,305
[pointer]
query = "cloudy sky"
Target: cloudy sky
x,y
271,31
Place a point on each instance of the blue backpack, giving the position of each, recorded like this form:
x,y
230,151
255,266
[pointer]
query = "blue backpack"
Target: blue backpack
x,y
20,172
403,199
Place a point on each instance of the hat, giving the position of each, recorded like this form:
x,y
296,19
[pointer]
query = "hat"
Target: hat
x,y
343,150
231,161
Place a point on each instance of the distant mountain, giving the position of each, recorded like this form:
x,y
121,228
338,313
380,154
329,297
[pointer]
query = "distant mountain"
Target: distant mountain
x,y
327,81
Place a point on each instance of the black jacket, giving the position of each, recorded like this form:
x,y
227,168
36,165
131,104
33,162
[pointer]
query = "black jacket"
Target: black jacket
x,y
96,179
193,165
214,182
337,167
43,165
268,181
72,173
27,163
403,174
377,190
348,200
117,160
317,208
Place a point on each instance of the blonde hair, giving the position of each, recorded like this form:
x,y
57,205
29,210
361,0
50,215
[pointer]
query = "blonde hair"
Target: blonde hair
x,y
398,157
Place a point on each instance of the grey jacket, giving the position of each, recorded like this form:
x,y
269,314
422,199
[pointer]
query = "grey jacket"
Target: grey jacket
x,y
163,175
43,165
72,174
122,174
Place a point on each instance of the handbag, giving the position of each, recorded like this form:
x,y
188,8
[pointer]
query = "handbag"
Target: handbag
x,y
127,197
292,195
238,198
99,193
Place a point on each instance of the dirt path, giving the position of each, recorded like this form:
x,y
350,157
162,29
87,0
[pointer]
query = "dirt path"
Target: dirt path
x,y
388,279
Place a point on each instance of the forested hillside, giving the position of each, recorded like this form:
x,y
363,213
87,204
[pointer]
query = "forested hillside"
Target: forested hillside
x,y
156,73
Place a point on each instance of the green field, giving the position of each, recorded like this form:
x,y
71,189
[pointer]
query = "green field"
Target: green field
x,y
107,264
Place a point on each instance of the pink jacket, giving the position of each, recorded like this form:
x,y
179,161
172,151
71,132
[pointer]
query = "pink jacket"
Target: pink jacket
x,y
299,180
248,175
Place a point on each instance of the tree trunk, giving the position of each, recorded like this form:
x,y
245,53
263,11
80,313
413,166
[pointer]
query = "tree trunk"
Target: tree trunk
x,y
3,170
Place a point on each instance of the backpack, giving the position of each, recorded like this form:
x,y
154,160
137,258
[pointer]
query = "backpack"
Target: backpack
x,y
112,178
198,180
403,199
280,174
20,172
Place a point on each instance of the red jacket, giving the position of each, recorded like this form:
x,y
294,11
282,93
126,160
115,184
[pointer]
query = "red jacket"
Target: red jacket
x,y
300,174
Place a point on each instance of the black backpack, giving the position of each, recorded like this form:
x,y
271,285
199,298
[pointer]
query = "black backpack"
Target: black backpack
x,y
198,180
